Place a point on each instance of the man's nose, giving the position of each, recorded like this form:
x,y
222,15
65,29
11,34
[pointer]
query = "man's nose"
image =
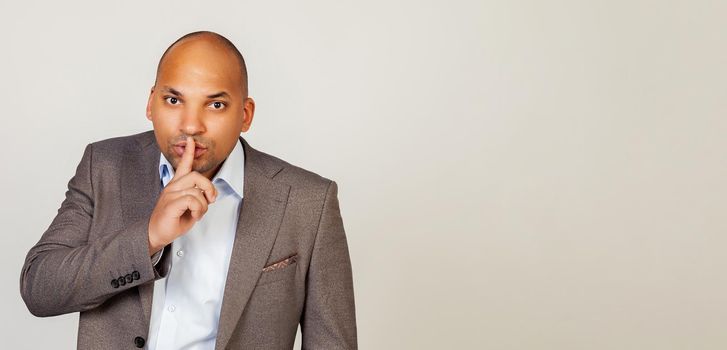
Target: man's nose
x,y
192,122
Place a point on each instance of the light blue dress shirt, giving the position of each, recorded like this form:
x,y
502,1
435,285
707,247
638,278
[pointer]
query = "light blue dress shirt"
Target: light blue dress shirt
x,y
186,303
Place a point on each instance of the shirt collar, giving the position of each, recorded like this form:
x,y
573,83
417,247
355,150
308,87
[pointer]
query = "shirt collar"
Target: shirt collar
x,y
229,179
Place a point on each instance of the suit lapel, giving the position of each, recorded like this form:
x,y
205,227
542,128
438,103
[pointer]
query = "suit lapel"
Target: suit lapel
x,y
261,213
260,216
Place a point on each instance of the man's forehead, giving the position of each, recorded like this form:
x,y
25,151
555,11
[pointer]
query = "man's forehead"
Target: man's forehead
x,y
198,75
203,64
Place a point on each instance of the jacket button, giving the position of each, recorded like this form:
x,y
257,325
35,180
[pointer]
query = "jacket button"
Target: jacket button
x,y
122,280
135,275
128,278
139,342
114,283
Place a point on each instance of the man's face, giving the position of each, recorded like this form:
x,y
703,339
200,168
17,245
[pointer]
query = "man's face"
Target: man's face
x,y
198,92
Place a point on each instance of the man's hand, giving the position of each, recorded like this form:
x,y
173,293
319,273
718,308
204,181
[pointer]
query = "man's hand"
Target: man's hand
x,y
182,202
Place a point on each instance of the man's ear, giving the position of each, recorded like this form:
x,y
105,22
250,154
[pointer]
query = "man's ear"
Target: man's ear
x,y
248,111
148,103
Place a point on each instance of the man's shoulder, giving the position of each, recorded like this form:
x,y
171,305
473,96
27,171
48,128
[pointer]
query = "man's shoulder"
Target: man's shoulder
x,y
295,175
122,143
112,152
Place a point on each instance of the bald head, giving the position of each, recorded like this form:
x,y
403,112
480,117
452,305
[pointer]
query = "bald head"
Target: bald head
x,y
209,40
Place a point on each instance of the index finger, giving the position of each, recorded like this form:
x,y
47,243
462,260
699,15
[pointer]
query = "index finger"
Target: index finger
x,y
185,165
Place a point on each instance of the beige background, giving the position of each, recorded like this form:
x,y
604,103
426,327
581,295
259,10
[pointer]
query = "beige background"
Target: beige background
x,y
512,174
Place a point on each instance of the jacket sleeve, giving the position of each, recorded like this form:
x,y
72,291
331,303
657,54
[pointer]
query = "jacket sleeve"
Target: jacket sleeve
x,y
65,272
329,318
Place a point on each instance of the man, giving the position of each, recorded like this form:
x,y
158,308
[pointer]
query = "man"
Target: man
x,y
187,237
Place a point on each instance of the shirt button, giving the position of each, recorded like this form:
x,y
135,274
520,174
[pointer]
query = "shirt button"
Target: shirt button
x,y
180,253
139,342
171,308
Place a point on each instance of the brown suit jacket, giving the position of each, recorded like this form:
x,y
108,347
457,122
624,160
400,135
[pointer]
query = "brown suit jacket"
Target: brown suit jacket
x,y
94,256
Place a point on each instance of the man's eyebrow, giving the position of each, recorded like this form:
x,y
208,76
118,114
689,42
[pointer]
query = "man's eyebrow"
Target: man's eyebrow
x,y
219,94
173,91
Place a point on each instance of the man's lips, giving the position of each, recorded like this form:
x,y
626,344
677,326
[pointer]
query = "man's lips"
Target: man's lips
x,y
184,143
198,151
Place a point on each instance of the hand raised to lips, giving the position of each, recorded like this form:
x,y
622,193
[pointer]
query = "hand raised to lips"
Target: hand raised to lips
x,y
182,203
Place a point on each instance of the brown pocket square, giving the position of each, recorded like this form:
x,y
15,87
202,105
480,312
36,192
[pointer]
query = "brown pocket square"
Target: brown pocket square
x,y
282,263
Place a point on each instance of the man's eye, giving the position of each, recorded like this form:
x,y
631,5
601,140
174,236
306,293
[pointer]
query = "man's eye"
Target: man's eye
x,y
217,105
171,100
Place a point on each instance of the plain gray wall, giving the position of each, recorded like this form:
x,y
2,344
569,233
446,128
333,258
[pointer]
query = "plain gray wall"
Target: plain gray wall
x,y
512,174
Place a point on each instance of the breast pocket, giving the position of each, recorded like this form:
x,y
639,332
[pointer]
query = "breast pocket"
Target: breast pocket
x,y
280,270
